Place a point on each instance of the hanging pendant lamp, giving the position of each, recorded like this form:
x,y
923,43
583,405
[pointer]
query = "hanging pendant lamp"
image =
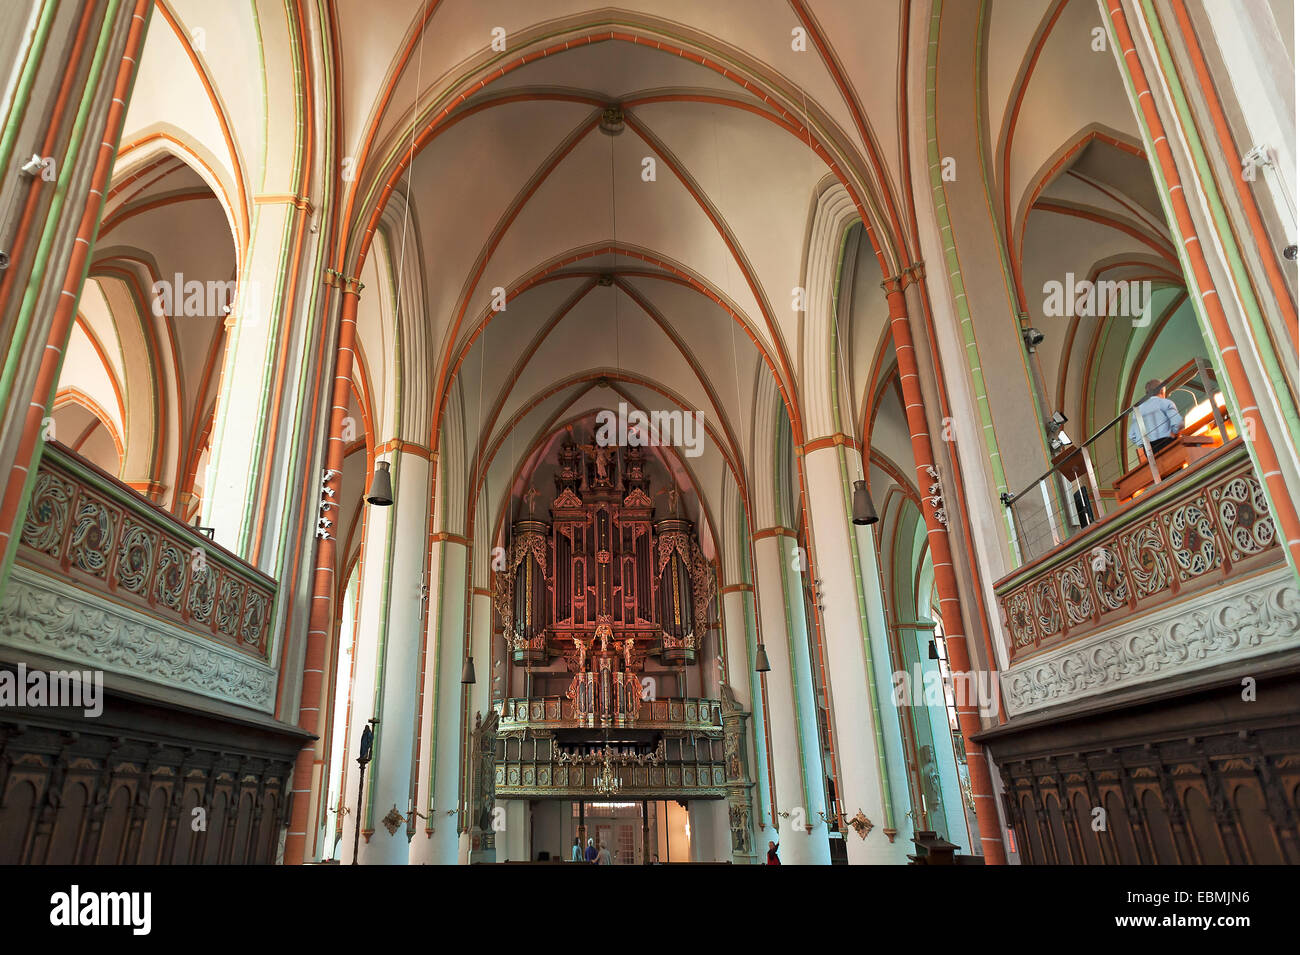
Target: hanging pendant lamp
x,y
864,512
381,486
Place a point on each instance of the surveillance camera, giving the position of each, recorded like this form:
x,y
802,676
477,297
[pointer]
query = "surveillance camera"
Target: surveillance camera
x,y
1033,338
4,260
1058,419
1291,252
32,167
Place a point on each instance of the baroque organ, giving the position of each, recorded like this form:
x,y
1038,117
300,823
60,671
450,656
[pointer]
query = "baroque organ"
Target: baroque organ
x,y
604,584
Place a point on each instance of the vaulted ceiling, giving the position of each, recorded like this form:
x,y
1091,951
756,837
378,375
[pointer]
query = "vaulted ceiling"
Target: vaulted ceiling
x,y
516,255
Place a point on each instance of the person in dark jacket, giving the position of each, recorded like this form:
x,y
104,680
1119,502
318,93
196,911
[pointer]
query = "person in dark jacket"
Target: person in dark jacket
x,y
591,850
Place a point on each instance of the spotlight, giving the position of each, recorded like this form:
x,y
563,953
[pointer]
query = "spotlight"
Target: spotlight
x,y
1033,338
381,488
1056,431
864,512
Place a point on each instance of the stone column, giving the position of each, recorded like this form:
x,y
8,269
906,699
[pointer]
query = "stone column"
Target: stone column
x,y
478,703
397,663
440,750
859,733
791,708
379,532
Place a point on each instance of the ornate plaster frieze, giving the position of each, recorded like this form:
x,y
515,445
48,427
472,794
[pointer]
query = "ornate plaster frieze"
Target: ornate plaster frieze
x,y
52,617
1239,621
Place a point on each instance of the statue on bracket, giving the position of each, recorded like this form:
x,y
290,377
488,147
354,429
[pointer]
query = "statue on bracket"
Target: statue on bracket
x,y
601,456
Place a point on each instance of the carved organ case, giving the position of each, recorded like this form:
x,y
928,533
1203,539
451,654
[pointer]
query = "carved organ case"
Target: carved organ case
x,y
603,584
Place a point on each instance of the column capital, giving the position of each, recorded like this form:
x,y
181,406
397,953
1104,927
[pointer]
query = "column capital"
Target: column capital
x,y
838,439
909,275
300,202
336,279
398,446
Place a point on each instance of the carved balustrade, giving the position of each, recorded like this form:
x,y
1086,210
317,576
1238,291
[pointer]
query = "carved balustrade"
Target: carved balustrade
x,y
1187,575
105,578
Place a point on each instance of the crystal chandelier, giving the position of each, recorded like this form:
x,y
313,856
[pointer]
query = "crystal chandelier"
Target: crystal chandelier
x,y
607,784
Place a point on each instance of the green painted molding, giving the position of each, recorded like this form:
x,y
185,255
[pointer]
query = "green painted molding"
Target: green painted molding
x,y
26,80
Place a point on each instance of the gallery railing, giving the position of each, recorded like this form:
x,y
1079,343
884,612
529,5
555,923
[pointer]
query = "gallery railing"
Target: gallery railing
x,y
86,527
550,712
1178,538
1099,478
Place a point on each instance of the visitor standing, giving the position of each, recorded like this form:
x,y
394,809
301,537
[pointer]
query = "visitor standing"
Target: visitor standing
x,y
772,857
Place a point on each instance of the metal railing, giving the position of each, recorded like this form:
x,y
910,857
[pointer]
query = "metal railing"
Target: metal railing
x,y
1099,476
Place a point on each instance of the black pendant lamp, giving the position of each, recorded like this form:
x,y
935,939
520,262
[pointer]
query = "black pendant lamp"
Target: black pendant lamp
x,y
760,660
467,672
381,486
864,512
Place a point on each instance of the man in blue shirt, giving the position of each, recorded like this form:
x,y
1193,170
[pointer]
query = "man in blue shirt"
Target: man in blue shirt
x,y
1160,419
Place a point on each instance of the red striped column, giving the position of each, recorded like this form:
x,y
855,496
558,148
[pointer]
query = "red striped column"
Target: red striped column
x,y
981,782
306,782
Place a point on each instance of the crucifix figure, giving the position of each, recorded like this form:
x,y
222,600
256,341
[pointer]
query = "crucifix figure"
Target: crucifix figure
x,y
531,497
